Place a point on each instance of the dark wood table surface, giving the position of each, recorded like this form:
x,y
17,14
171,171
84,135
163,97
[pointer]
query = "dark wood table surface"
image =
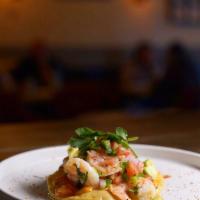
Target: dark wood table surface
x,y
172,128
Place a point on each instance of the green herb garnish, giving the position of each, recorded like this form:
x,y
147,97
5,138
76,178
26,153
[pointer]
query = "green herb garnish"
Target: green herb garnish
x,y
123,166
86,132
107,146
108,182
134,190
121,133
89,139
132,139
134,180
93,145
82,177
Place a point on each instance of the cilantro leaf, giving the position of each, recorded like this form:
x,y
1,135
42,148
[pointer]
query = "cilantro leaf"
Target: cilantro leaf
x,y
123,166
82,176
134,190
84,132
93,145
122,133
132,139
108,182
89,139
79,143
113,137
124,143
107,146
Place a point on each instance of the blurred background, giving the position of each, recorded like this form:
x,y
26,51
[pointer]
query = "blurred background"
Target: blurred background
x,y
63,58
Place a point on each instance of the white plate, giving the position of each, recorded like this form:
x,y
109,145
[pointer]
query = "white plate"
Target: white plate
x,y
23,176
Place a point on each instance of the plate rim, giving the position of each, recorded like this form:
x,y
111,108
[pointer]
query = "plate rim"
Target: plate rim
x,y
139,146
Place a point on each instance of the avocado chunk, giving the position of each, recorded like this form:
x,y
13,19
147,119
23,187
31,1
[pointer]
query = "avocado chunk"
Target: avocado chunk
x,y
73,152
150,169
135,180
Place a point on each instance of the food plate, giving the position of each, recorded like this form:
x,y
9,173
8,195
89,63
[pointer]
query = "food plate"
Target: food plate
x,y
23,176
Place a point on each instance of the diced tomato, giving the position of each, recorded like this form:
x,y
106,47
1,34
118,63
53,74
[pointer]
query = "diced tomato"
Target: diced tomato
x,y
127,152
123,152
120,151
131,169
101,151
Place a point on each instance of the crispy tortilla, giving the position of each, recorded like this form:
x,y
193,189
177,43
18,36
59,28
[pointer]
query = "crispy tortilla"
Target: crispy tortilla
x,y
94,195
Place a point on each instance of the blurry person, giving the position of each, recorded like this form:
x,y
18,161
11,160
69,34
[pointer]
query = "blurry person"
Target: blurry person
x,y
37,69
137,76
180,85
38,77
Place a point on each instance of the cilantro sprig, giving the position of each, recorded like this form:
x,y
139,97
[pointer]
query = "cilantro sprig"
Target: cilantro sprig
x,y
107,146
134,190
124,166
108,182
89,139
82,177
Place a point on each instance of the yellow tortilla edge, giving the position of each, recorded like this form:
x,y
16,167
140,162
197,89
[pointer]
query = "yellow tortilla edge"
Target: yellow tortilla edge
x,y
93,195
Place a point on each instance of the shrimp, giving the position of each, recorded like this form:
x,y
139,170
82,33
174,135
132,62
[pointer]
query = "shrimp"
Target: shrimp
x,y
104,164
70,167
119,191
147,191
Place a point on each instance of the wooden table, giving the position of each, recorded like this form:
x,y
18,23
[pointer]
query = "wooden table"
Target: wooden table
x,y
172,128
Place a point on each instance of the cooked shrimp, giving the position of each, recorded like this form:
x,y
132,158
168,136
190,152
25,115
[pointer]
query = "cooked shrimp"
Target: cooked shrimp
x,y
119,191
70,167
146,191
104,164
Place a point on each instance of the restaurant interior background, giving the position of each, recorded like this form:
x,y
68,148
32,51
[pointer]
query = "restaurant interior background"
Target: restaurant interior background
x,y
63,58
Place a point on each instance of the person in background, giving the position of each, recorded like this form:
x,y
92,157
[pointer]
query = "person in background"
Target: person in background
x,y
137,76
180,86
38,69
38,78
